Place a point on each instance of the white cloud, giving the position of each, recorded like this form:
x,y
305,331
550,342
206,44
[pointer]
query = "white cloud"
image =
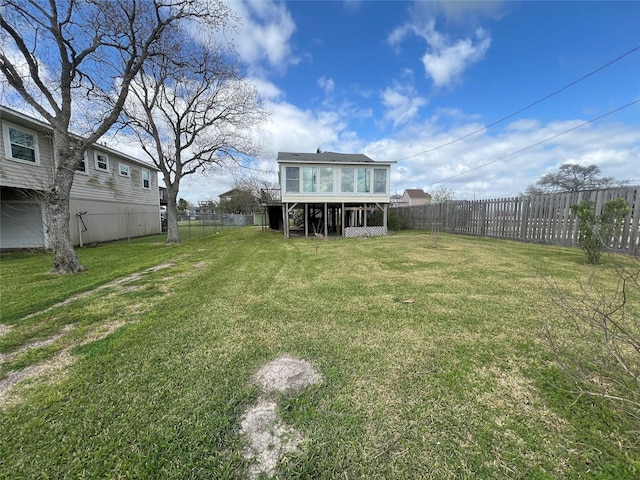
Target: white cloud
x,y
264,33
327,85
445,59
402,104
467,12
266,89
295,130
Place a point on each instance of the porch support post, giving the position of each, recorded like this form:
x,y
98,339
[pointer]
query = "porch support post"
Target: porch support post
x,y
326,230
306,220
285,220
385,207
342,215
365,216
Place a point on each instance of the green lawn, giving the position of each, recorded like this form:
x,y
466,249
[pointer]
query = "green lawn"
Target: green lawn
x,y
150,377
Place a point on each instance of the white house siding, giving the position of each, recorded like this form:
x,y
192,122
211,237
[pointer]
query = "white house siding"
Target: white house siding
x,y
22,224
105,221
113,206
24,175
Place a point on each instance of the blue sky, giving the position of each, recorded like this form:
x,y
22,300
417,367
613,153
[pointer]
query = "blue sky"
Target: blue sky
x,y
394,79
404,81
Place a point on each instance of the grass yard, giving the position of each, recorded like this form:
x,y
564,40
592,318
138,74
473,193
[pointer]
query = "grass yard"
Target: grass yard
x,y
145,370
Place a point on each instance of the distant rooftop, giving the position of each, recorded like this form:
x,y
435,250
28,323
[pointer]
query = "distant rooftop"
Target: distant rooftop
x,y
324,157
416,193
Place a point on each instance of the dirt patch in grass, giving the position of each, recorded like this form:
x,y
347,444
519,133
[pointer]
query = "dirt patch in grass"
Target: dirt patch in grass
x,y
286,375
47,370
116,283
268,438
44,369
4,329
4,357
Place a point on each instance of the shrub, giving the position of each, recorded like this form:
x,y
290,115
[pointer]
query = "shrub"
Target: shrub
x,y
596,232
394,221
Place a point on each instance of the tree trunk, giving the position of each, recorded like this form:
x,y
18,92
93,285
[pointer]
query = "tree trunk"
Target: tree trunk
x,y
58,197
173,234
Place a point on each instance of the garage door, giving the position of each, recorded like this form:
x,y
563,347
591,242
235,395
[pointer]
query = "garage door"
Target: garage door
x,y
22,225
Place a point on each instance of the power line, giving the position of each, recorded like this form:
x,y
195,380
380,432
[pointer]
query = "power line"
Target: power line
x,y
539,143
525,108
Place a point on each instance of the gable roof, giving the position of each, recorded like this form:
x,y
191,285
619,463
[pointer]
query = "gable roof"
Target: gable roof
x,y
12,115
230,192
416,193
326,157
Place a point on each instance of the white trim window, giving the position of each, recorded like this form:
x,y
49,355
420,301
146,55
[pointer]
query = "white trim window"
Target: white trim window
x,y
347,179
309,184
102,162
146,179
292,175
84,165
379,180
364,180
326,180
123,170
20,144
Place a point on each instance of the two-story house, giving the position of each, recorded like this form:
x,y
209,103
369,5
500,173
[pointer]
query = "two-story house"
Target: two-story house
x,y
328,193
114,195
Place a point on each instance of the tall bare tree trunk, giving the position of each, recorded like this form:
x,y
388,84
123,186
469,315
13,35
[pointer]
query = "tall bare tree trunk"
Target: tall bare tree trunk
x,y
173,234
58,214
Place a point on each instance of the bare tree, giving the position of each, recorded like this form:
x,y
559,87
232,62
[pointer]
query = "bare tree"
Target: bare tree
x,y
597,341
72,62
193,115
572,178
442,194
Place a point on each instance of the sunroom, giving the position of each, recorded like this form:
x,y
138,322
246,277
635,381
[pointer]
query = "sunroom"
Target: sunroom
x,y
333,194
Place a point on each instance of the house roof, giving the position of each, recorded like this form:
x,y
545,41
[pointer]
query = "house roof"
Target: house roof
x,y
229,192
326,157
416,193
12,115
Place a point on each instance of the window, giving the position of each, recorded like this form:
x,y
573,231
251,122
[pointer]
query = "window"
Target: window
x,y
83,166
123,170
347,180
379,180
326,180
146,178
293,179
20,144
309,179
364,180
102,162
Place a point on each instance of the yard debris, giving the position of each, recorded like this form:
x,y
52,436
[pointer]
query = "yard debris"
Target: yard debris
x,y
409,300
268,438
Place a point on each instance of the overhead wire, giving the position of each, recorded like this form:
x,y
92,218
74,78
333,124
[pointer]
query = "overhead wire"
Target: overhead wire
x,y
486,127
539,143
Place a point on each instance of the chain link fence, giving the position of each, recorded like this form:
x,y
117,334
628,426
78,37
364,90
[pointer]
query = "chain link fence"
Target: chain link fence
x,y
193,226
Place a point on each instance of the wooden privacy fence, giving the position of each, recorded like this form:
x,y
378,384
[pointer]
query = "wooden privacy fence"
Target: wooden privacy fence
x,y
538,218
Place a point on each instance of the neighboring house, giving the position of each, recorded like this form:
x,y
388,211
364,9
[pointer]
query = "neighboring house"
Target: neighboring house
x,y
414,196
238,200
163,196
113,196
332,193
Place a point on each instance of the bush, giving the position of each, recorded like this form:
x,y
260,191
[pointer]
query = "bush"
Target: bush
x,y
394,221
597,232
